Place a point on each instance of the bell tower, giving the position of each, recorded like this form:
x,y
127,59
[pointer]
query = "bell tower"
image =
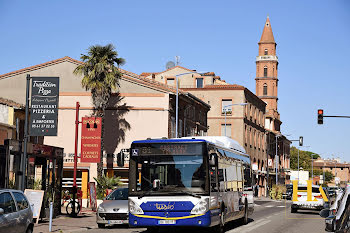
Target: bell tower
x,y
266,77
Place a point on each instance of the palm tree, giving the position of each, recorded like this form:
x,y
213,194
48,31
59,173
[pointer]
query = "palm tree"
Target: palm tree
x,y
101,77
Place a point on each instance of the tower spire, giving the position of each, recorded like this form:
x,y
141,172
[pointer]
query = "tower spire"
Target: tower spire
x,y
267,35
266,76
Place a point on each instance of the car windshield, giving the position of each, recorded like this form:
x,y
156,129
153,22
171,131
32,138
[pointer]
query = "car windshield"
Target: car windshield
x,y
118,194
174,169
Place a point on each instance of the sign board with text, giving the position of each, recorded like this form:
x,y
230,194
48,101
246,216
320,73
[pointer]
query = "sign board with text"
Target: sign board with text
x,y
91,139
35,198
44,106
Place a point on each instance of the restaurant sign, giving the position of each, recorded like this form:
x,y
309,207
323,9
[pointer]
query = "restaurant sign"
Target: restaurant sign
x,y
44,106
91,139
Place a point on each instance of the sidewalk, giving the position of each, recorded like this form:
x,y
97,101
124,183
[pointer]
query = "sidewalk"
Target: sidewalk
x,y
64,223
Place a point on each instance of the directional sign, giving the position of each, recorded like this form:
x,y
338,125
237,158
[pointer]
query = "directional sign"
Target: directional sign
x,y
44,106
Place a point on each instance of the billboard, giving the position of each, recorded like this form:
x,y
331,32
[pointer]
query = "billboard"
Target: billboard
x,y
91,139
44,106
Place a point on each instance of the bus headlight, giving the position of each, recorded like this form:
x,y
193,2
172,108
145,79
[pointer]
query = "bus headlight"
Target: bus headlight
x,y
134,208
201,207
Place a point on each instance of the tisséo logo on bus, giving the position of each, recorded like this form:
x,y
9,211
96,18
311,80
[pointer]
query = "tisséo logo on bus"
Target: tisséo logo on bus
x,y
168,206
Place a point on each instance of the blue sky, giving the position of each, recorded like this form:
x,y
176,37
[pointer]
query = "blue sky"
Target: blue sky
x,y
220,36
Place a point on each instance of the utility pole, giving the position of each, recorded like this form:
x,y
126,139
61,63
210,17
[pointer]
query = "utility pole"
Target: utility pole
x,y
324,178
298,164
23,164
75,156
276,160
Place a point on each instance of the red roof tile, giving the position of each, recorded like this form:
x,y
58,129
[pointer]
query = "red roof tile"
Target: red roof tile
x,y
267,35
10,103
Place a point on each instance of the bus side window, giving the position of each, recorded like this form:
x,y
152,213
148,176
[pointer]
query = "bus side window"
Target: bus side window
x,y
221,179
239,176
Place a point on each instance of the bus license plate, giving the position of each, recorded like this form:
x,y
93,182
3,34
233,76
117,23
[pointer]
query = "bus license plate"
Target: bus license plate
x,y
166,222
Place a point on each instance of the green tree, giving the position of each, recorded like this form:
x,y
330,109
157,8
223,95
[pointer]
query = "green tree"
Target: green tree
x,y
101,77
304,159
328,175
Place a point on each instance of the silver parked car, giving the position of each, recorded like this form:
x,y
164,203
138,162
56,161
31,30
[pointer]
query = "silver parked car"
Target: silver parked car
x,y
16,215
114,209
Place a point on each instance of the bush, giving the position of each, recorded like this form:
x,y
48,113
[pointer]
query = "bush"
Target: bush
x,y
277,191
104,183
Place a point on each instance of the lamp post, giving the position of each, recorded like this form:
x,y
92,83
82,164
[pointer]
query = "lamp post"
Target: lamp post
x,y
225,110
312,166
177,100
298,160
276,156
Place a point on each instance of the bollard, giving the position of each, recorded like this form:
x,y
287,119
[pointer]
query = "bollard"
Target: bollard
x,y
51,211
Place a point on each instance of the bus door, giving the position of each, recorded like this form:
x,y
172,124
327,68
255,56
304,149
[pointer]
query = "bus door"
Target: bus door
x,y
214,188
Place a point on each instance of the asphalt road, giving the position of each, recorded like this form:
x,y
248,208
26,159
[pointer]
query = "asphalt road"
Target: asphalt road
x,y
269,217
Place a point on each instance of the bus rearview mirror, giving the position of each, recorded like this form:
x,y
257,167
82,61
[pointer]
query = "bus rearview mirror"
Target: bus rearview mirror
x,y
212,159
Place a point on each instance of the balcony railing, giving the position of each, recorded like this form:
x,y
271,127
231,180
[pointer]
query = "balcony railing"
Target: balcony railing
x,y
267,58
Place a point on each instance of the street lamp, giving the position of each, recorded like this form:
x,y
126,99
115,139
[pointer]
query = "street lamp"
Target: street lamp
x,y
312,166
225,110
177,99
276,156
298,159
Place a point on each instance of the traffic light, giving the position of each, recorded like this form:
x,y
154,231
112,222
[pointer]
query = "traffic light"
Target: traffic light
x,y
320,116
301,139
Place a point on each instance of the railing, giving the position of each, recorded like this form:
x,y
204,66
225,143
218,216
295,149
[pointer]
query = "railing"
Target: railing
x,y
267,58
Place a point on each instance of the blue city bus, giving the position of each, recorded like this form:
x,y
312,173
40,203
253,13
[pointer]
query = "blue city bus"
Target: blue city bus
x,y
197,182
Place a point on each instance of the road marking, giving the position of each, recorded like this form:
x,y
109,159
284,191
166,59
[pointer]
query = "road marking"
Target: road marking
x,y
250,226
281,206
269,206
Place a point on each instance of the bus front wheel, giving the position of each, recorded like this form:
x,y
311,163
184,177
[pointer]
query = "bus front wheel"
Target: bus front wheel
x,y
152,229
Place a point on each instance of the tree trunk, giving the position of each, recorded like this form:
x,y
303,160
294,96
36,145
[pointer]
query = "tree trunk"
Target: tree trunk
x,y
100,164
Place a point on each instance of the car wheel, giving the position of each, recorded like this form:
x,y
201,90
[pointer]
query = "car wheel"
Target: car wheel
x,y
245,218
29,229
293,210
101,225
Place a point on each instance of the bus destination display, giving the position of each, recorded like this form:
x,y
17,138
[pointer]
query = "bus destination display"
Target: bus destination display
x,y
169,149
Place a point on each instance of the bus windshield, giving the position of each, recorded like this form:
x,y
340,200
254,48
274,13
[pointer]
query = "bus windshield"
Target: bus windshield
x,y
171,168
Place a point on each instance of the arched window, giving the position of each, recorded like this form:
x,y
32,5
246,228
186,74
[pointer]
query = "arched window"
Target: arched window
x,y
265,89
265,52
265,71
